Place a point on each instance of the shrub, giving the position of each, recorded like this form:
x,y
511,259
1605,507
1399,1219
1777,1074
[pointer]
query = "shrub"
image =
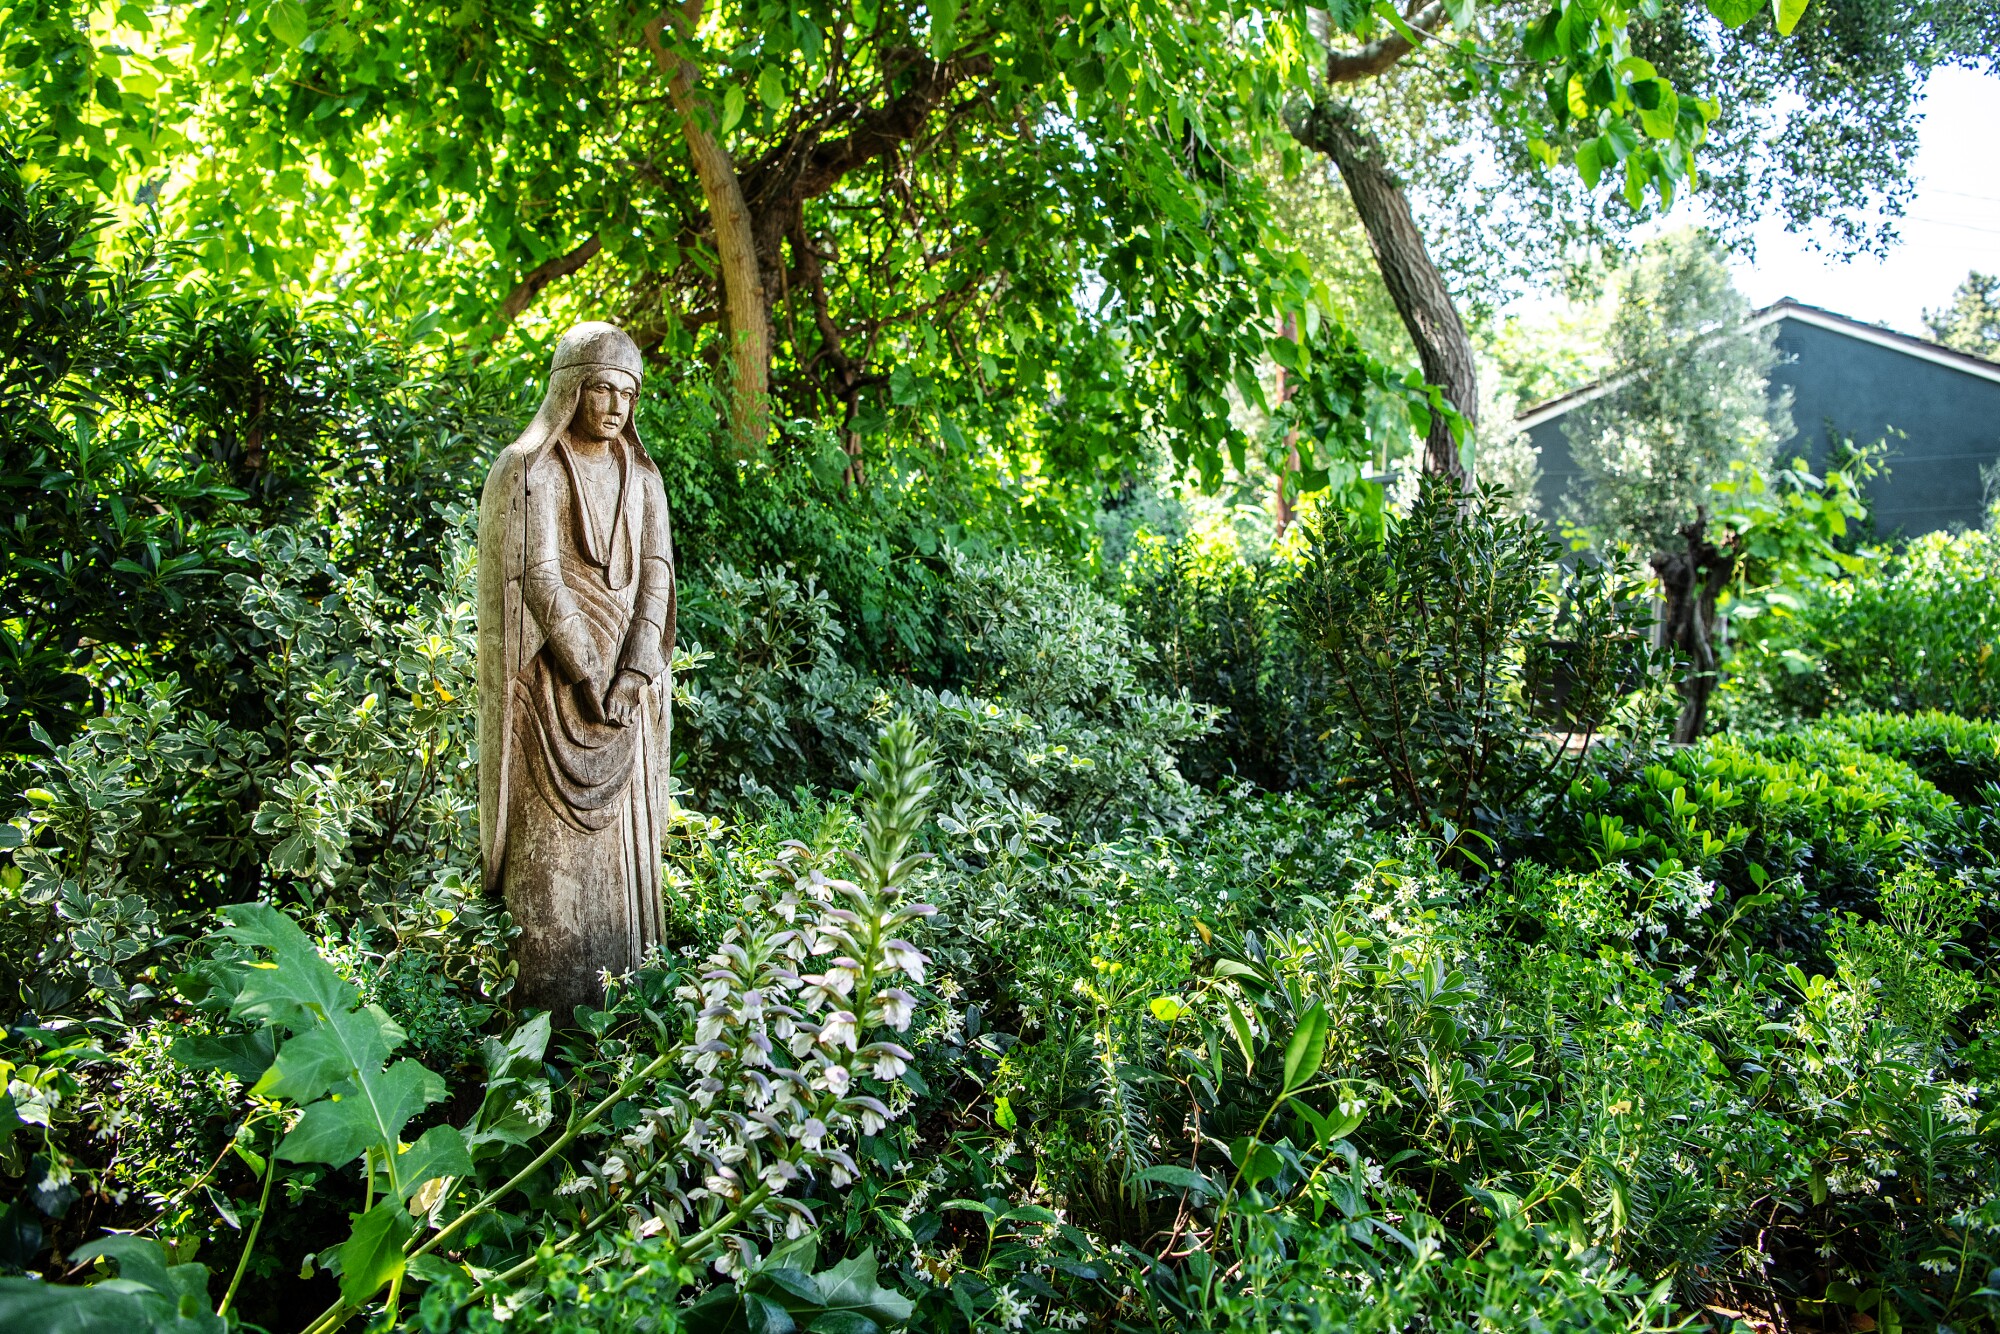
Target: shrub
x,y
1424,634
1915,630
1752,814
1957,755
1214,621
764,700
1053,713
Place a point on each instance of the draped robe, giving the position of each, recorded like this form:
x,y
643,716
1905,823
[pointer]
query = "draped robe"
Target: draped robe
x,y
577,572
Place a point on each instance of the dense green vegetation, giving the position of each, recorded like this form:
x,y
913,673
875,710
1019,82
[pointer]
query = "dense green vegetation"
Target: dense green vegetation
x,y
1237,916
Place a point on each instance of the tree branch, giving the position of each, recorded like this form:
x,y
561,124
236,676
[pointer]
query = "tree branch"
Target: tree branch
x,y
1379,55
530,287
749,317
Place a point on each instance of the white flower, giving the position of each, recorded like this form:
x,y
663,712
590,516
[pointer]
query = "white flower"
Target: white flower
x,y
894,1008
778,1173
1009,1311
886,1060
902,954
835,1079
838,1030
811,1133
574,1186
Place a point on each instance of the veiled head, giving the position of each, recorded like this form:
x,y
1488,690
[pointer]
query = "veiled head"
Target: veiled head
x,y
597,368
596,344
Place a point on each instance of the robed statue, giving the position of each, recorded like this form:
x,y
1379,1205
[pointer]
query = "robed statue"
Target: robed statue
x,y
576,636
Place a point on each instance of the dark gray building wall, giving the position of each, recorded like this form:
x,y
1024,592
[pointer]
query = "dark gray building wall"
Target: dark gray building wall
x,y
1950,419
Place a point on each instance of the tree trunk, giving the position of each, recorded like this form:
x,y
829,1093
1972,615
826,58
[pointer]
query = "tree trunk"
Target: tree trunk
x,y
746,315
1330,126
1692,580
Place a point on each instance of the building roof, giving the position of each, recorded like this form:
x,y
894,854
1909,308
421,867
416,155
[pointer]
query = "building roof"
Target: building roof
x,y
1923,349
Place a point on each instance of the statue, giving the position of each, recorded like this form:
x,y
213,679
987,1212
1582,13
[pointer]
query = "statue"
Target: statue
x,y
576,637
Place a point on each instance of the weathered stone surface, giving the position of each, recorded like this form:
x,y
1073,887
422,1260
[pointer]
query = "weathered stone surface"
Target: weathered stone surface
x,y
576,632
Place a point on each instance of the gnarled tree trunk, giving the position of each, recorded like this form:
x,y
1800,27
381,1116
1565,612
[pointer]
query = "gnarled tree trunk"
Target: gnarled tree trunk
x,y
1331,127
1692,580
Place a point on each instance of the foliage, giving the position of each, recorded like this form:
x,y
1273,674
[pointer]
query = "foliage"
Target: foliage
x,y
723,1092
1686,397
1212,617
1493,1013
1907,630
148,429
779,707
1956,755
1971,323
1425,631
1807,818
1054,721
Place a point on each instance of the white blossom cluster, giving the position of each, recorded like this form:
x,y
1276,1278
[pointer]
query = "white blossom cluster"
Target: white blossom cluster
x,y
798,1004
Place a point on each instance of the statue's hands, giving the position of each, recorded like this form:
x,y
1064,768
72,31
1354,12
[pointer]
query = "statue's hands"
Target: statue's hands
x,y
590,700
621,702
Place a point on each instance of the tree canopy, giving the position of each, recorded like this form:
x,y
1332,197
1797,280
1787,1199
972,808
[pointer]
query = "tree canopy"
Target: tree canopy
x,y
1030,224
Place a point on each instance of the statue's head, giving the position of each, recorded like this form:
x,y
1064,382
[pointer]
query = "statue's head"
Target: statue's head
x,y
601,364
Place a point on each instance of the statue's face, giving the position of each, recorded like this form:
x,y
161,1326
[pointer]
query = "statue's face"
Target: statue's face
x,y
604,407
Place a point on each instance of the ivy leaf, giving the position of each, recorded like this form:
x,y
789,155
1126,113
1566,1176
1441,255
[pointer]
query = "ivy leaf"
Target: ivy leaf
x,y
373,1254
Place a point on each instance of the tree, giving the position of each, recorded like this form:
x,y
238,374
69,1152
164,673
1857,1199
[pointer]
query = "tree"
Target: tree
x,y
1032,222
1462,120
1028,222
1688,395
1971,323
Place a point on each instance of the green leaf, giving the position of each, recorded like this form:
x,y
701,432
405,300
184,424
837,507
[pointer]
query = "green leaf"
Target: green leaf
x,y
1180,1178
1590,162
338,1049
1239,1024
732,108
1307,1048
355,1117
1256,1162
1789,12
1166,1009
1734,13
298,986
288,22
851,1285
944,27
439,1152
771,87
149,1296
245,1055
373,1254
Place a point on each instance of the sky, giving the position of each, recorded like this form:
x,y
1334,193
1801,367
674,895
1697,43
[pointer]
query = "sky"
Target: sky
x,y
1951,226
